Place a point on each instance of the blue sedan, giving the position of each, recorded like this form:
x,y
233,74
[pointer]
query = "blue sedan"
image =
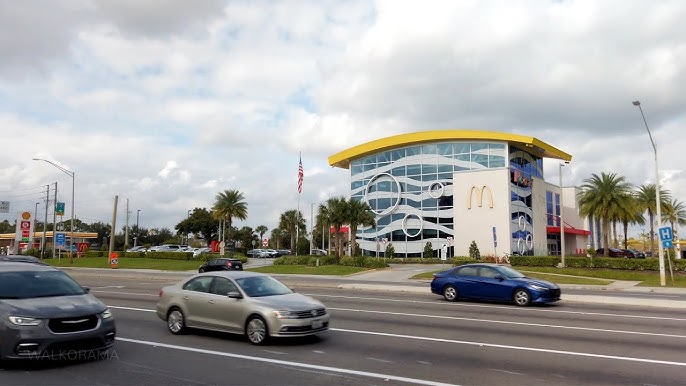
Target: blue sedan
x,y
494,283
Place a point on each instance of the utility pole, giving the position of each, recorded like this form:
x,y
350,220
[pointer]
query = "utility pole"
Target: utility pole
x,y
45,223
54,223
126,228
114,225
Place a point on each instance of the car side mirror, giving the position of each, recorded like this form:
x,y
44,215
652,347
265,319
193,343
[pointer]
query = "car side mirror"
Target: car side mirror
x,y
499,277
87,289
234,295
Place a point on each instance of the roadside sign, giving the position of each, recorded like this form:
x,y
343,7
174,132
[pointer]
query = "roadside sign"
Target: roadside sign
x,y
59,209
265,242
4,206
665,234
667,244
61,240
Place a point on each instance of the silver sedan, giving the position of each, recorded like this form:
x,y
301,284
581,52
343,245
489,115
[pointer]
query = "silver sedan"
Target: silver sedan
x,y
241,302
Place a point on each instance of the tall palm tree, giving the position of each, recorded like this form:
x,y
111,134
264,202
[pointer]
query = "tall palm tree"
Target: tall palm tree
x,y
261,230
359,213
602,197
292,222
334,210
645,195
228,205
631,215
674,212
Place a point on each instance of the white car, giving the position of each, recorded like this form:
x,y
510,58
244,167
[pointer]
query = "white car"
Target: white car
x,y
199,251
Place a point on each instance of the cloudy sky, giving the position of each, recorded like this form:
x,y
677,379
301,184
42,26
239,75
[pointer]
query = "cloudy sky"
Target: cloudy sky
x,y
168,102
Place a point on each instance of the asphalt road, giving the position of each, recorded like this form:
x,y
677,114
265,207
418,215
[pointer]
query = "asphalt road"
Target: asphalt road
x,y
385,338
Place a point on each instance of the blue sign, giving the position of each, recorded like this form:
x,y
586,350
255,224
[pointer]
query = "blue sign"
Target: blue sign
x,y
665,233
61,239
667,244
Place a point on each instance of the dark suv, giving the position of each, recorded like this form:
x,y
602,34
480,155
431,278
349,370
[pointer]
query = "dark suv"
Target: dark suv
x,y
223,264
45,314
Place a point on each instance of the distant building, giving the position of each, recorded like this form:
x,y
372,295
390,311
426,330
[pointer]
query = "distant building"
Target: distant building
x,y
457,186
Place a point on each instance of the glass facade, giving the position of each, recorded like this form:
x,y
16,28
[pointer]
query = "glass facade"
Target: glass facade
x,y
523,168
410,190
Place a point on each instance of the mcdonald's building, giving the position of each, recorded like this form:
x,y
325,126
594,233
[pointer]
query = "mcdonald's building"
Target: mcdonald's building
x,y
452,187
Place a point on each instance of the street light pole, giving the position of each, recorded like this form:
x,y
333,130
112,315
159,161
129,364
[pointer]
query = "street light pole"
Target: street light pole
x,y
73,179
658,210
562,224
138,232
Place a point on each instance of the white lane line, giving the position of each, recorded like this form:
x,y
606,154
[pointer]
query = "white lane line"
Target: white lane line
x,y
126,293
509,308
423,316
379,360
480,344
519,348
288,363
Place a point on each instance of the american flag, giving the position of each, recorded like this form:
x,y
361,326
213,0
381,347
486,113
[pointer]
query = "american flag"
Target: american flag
x,y
300,175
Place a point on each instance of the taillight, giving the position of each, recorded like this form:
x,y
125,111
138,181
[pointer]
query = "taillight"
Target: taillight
x,y
161,293
228,263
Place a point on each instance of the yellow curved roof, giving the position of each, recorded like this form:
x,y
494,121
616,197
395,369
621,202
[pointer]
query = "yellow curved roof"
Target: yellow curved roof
x,y
530,144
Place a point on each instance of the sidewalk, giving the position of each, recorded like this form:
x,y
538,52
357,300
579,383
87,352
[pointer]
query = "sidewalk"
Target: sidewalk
x,y
398,279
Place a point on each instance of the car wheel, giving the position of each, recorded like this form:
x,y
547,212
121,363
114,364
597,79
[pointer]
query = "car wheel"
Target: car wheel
x,y
256,330
201,270
450,293
522,297
176,321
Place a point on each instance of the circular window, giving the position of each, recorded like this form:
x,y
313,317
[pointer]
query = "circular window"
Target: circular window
x,y
377,179
419,220
436,189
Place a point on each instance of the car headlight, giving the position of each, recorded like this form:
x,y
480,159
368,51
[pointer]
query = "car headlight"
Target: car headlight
x,y
106,314
539,287
286,314
24,321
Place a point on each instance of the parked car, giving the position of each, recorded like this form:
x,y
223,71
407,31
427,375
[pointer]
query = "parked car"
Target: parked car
x,y
493,282
138,248
199,251
222,264
633,254
284,252
249,303
319,252
258,253
613,252
169,248
45,314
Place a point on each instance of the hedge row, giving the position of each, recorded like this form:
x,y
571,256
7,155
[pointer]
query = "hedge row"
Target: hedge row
x,y
597,262
366,262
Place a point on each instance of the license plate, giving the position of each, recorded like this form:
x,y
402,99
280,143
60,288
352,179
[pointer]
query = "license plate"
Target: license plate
x,y
317,324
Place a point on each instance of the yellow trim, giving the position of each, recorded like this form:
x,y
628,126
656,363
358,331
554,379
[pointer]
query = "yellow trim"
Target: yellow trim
x,y
529,144
48,234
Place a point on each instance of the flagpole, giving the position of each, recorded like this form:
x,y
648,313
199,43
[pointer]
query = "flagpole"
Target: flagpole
x,y
297,213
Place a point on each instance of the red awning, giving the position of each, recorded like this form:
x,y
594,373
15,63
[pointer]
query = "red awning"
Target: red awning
x,y
568,231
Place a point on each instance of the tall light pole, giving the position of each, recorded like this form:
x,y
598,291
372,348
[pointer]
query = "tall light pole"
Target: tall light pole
x,y
73,178
658,219
562,223
138,232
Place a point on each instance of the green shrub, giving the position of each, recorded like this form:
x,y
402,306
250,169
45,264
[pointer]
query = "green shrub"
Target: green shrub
x,y
474,251
428,250
361,261
390,250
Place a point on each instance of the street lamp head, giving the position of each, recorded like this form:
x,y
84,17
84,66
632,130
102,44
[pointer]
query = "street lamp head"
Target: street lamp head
x,y
636,103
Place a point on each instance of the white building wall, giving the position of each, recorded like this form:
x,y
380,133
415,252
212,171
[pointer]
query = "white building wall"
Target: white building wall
x,y
474,218
538,205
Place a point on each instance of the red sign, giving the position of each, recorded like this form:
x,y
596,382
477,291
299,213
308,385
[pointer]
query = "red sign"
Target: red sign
x,y
25,225
265,242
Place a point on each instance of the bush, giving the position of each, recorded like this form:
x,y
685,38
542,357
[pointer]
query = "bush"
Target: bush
x,y
474,251
390,250
597,262
365,262
428,250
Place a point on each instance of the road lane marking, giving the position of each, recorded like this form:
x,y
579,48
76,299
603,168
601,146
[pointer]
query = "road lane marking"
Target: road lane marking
x,y
424,316
509,308
288,363
519,348
481,344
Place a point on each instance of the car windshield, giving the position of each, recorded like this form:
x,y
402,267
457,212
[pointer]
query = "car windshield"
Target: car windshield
x,y
510,273
37,284
259,286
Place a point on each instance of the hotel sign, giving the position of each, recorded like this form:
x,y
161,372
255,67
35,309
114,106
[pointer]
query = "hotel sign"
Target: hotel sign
x,y
479,196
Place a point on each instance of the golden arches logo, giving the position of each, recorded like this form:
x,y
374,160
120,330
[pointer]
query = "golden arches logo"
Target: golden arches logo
x,y
480,196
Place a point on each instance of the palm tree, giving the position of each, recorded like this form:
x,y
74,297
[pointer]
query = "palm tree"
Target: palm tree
x,y
292,222
228,205
631,215
261,230
359,213
602,197
335,212
674,212
645,195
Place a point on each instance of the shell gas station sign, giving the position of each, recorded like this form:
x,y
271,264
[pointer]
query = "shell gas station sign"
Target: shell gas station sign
x,y
24,230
